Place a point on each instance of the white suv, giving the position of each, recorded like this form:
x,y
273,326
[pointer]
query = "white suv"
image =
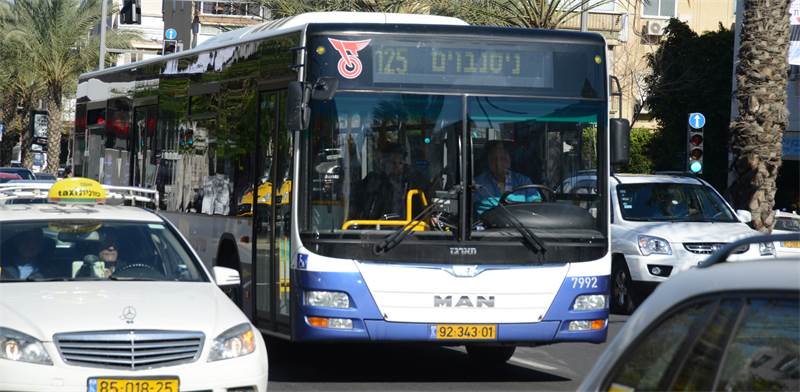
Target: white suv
x,y
663,224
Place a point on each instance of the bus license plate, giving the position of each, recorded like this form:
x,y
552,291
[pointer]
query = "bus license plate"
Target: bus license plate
x,y
466,331
156,384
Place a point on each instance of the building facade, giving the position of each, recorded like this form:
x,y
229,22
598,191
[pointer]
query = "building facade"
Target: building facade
x,y
635,29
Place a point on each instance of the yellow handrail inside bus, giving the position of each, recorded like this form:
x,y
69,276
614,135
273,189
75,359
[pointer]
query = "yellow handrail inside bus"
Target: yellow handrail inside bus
x,y
418,225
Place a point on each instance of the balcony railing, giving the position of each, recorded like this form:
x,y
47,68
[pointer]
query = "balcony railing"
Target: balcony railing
x,y
608,24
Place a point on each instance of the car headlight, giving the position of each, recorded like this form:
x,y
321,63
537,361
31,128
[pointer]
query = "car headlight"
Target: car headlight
x,y
766,248
653,246
17,346
235,342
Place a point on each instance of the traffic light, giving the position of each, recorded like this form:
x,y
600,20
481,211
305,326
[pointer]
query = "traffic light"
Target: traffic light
x,y
170,46
131,12
694,150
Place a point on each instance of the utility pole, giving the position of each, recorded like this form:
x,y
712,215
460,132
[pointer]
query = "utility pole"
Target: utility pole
x,y
102,35
585,16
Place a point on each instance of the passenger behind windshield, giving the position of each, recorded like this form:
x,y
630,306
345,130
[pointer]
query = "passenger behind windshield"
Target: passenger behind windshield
x,y
88,250
498,178
22,257
382,194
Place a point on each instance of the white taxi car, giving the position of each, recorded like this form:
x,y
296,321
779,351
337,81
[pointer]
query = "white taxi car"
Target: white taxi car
x,y
787,223
99,297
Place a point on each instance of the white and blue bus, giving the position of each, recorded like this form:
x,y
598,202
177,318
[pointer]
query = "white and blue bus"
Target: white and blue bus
x,y
378,177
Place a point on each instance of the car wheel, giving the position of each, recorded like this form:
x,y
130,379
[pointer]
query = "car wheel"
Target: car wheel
x,y
490,355
623,296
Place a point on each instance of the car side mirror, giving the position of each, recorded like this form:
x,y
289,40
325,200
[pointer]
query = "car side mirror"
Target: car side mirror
x,y
744,216
620,137
225,276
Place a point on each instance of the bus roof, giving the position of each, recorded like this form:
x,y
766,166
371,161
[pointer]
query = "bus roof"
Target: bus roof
x,y
302,20
293,23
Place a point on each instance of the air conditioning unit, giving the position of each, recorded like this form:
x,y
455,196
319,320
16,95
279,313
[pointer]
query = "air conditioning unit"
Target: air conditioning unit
x,y
656,27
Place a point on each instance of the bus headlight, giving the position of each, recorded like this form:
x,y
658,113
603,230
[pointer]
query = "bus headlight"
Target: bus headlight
x,y
235,342
590,302
766,248
17,346
328,299
653,246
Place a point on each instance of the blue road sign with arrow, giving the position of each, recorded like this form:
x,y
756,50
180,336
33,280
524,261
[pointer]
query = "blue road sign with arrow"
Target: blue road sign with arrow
x,y
170,34
697,120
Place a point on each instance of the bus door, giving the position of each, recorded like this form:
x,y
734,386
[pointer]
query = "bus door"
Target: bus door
x,y
272,213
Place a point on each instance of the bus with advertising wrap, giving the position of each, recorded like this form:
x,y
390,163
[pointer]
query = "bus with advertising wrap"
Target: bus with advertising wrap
x,y
378,177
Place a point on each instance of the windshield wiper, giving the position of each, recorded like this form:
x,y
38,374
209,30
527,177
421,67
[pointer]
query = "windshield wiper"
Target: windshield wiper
x,y
532,240
131,279
41,279
402,233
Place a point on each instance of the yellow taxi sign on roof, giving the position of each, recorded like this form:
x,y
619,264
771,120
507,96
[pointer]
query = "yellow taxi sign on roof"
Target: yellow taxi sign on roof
x,y
77,190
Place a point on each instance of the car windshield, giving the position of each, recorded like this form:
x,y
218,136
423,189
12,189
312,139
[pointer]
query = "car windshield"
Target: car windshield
x,y
375,155
93,250
787,224
672,202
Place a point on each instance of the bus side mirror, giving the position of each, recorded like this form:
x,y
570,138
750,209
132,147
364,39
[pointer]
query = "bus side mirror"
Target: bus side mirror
x,y
324,89
620,141
297,113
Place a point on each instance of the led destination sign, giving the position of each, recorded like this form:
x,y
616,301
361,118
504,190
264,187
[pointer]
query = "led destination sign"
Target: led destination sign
x,y
485,65
490,64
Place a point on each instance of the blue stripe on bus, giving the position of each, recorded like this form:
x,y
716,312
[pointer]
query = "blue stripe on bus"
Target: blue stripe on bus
x,y
362,305
369,324
561,309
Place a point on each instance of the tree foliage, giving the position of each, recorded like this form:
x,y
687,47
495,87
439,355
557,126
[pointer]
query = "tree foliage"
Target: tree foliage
x,y
543,14
45,46
641,150
690,73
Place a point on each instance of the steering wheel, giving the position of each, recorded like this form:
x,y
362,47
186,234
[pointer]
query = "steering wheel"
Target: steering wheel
x,y
137,265
548,195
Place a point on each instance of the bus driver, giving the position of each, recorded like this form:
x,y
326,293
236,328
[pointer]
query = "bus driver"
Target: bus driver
x,y
499,179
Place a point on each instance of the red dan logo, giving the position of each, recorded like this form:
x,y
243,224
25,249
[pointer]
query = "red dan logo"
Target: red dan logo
x,y
349,65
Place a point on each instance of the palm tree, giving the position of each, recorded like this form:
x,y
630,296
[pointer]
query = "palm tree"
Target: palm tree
x,y
52,36
540,14
761,94
545,14
284,8
19,89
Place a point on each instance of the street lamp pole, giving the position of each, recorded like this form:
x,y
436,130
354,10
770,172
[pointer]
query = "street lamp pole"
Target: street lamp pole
x,y
585,16
102,35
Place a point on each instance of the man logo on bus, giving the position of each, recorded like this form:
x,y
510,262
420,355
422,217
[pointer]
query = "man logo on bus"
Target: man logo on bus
x,y
349,64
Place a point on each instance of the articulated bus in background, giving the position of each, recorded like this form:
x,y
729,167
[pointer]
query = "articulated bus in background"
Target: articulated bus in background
x,y
345,169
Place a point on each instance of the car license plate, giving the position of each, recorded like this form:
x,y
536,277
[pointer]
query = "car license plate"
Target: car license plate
x,y
791,244
154,384
466,331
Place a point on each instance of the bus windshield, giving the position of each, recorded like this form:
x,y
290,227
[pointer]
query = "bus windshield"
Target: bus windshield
x,y
381,160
